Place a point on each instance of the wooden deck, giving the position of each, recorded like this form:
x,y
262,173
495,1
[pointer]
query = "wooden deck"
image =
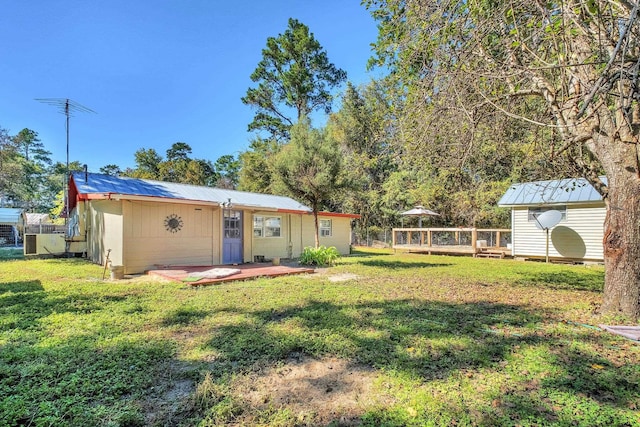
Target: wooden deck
x,y
460,241
436,249
185,274
493,252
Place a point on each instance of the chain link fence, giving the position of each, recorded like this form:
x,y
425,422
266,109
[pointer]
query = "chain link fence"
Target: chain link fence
x,y
373,238
9,235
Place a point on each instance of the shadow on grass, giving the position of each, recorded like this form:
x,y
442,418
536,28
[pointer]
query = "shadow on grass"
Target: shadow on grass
x,y
26,302
564,280
587,378
355,253
425,341
379,335
595,377
18,287
77,382
184,316
396,265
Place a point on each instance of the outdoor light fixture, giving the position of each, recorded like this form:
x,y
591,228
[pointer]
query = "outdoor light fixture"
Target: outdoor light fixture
x,y
227,204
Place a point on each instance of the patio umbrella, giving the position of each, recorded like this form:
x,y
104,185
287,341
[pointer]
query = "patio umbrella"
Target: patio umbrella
x,y
419,211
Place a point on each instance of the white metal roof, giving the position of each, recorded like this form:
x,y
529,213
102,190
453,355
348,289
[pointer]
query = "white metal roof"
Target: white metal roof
x,y
94,183
10,216
37,218
556,192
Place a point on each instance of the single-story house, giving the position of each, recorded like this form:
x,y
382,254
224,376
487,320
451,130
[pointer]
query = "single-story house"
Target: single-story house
x,y
578,236
11,222
142,224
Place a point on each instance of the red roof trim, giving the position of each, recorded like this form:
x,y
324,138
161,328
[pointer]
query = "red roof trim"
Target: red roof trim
x,y
292,211
333,214
72,196
340,215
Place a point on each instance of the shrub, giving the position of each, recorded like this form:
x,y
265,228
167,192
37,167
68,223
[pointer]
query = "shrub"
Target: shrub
x,y
321,256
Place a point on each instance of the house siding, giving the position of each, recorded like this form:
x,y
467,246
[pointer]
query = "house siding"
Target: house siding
x,y
270,247
577,237
298,232
104,226
148,243
340,233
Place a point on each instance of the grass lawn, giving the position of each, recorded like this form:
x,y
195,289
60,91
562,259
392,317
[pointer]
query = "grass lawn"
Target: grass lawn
x,y
378,340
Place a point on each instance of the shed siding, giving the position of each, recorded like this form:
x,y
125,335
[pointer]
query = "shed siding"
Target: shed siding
x,y
149,243
577,237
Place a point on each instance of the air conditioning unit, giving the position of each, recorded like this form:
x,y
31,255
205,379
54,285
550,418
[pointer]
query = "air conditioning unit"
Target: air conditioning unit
x,y
44,244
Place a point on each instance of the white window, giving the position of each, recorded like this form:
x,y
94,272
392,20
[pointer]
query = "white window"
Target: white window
x,y
536,212
267,226
325,227
258,226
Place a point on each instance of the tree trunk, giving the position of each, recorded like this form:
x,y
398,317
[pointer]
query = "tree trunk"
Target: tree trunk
x,y
315,220
622,245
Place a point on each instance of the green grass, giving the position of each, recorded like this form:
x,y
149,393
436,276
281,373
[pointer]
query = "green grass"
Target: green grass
x,y
451,341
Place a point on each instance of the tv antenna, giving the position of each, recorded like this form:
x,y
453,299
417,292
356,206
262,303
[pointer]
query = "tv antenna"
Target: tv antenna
x,y
67,107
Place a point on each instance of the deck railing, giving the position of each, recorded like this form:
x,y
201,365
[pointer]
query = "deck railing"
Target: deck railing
x,y
45,229
460,240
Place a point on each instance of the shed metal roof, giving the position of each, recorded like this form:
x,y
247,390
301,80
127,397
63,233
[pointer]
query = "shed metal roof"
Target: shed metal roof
x,y
556,192
10,215
37,218
108,185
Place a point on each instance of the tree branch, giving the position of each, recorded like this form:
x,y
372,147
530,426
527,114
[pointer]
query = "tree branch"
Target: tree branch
x,y
614,54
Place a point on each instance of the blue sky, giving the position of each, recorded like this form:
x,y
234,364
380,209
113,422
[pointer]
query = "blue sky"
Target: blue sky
x,y
155,72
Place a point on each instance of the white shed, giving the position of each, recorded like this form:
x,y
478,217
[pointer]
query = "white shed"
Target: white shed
x,y
578,236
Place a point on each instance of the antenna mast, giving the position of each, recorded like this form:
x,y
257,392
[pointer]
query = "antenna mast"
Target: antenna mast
x,y
67,107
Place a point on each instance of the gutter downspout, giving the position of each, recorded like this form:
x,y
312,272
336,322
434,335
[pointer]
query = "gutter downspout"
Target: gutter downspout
x,y
290,246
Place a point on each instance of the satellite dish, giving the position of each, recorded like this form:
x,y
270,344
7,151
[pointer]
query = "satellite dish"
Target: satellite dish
x,y
545,221
548,219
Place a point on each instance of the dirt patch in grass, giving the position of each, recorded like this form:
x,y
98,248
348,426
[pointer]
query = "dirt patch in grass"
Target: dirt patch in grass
x,y
343,277
170,398
321,390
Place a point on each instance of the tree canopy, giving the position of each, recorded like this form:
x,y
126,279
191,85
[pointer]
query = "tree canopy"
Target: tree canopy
x,y
310,167
179,166
294,75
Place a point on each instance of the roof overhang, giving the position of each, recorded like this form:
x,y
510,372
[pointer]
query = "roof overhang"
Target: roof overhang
x,y
110,191
340,215
539,205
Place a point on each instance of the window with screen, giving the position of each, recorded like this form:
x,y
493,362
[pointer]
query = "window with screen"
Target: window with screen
x,y
535,212
325,227
267,226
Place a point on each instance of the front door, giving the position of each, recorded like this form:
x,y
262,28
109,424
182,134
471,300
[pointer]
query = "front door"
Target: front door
x,y
232,237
